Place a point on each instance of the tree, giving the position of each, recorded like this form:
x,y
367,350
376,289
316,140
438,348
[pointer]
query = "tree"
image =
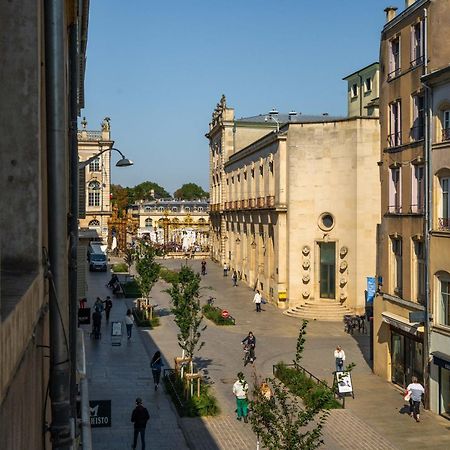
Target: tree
x,y
128,257
186,308
119,197
190,191
279,420
147,268
148,190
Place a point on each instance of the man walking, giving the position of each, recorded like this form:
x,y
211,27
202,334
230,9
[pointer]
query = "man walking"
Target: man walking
x,y
140,418
257,299
234,278
416,390
225,270
108,306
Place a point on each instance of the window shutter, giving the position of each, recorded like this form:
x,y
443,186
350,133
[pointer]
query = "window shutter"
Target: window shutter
x,y
82,193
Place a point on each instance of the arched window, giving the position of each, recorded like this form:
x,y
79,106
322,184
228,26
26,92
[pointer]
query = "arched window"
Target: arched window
x,y
148,222
201,220
94,193
94,223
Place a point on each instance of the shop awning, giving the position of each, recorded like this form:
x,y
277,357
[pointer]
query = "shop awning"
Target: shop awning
x,y
402,323
441,359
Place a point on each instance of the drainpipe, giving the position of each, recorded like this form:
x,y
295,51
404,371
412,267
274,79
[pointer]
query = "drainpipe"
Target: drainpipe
x,y
360,94
73,218
56,118
428,216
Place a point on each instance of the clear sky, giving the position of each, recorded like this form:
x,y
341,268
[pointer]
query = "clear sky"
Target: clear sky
x,y
158,68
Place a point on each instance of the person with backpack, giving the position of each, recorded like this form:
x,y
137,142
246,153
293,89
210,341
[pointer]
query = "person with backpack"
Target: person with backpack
x,y
98,305
240,390
156,365
139,417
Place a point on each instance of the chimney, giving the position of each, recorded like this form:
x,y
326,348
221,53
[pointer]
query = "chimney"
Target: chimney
x,y
408,3
390,13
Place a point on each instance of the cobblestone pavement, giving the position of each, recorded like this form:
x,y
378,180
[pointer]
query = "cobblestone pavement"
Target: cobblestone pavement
x,y
375,419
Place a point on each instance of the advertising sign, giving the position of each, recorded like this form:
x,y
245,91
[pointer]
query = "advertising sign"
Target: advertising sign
x,y
84,316
344,383
116,329
100,413
371,289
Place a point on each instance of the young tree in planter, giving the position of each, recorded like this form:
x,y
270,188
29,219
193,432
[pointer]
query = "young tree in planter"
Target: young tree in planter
x,y
128,257
147,269
279,420
187,311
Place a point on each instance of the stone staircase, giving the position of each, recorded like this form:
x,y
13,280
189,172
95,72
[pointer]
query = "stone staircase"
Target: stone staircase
x,y
323,310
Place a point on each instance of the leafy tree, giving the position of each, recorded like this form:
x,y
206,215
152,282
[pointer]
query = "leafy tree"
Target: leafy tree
x,y
119,197
148,190
281,422
129,257
190,191
300,344
147,268
186,308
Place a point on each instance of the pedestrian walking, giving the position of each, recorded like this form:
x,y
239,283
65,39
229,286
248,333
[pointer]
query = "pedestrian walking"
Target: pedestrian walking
x,y
249,343
98,305
203,267
339,357
415,391
139,417
234,278
156,366
129,321
257,299
240,390
108,306
225,270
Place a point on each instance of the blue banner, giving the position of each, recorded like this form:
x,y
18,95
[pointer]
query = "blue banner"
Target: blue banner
x,y
371,289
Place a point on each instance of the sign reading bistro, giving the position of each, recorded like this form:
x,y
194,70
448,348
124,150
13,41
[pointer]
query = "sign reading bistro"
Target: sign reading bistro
x,y
100,415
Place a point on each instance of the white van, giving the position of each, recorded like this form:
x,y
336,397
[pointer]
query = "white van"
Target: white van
x,y
97,257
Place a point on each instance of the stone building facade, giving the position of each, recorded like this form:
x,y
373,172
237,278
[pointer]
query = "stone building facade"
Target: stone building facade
x,y
294,215
412,267
95,180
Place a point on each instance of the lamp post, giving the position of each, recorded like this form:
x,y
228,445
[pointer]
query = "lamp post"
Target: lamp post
x,y
124,162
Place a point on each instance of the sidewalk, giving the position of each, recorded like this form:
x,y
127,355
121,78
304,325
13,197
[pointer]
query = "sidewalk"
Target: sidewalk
x,y
373,420
122,373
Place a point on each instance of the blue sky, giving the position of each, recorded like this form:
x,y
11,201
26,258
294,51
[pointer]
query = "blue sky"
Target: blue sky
x,y
159,68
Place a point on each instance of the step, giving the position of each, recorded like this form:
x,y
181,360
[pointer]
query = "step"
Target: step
x,y
313,316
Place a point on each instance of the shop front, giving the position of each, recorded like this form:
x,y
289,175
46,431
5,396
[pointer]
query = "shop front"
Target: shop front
x,y
406,349
441,362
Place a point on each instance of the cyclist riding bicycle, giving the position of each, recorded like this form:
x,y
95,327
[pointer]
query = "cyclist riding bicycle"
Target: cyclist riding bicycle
x,y
249,343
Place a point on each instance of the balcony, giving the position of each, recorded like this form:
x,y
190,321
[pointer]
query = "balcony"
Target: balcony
x,y
395,73
395,209
445,134
444,223
261,202
395,139
270,201
417,209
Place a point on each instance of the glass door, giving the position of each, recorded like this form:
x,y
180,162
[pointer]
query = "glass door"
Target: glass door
x,y
327,269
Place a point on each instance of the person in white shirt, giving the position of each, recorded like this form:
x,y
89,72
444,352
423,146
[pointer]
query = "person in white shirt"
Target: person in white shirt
x,y
339,357
257,299
417,391
129,321
240,389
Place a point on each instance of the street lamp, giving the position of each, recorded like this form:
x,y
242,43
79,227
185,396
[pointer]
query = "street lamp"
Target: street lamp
x,y
123,162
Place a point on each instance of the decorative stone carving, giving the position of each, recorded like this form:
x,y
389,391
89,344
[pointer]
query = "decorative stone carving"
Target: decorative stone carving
x,y
306,250
306,264
305,294
343,296
343,266
343,251
306,278
342,281
105,124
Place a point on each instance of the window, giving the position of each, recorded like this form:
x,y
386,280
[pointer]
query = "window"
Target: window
x,y
94,166
395,197
417,44
174,209
446,125
368,84
354,90
148,222
200,208
417,129
418,189
420,270
398,266
187,208
394,58
395,125
94,193
94,223
444,310
444,222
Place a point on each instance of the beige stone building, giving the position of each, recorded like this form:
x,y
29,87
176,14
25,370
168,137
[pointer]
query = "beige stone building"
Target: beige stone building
x,y
95,178
37,161
292,207
413,44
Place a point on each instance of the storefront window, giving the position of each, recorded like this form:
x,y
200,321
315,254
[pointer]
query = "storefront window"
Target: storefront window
x,y
445,393
406,358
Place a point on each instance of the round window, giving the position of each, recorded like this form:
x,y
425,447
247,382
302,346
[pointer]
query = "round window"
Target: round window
x,y
326,221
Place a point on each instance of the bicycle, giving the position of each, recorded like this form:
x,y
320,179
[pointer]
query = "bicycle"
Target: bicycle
x,y
249,354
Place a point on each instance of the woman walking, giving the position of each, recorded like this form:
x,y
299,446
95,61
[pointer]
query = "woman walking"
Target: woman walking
x,y
156,365
339,357
240,389
129,321
416,391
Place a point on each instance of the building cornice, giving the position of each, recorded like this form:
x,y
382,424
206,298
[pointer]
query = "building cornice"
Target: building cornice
x,y
403,15
403,302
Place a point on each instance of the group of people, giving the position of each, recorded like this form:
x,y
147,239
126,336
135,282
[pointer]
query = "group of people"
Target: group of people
x,y
234,275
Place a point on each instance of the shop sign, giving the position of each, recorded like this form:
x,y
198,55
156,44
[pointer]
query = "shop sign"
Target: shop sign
x,y
100,413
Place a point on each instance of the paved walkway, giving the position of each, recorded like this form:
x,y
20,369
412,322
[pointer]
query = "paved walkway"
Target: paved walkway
x,y
373,420
120,374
